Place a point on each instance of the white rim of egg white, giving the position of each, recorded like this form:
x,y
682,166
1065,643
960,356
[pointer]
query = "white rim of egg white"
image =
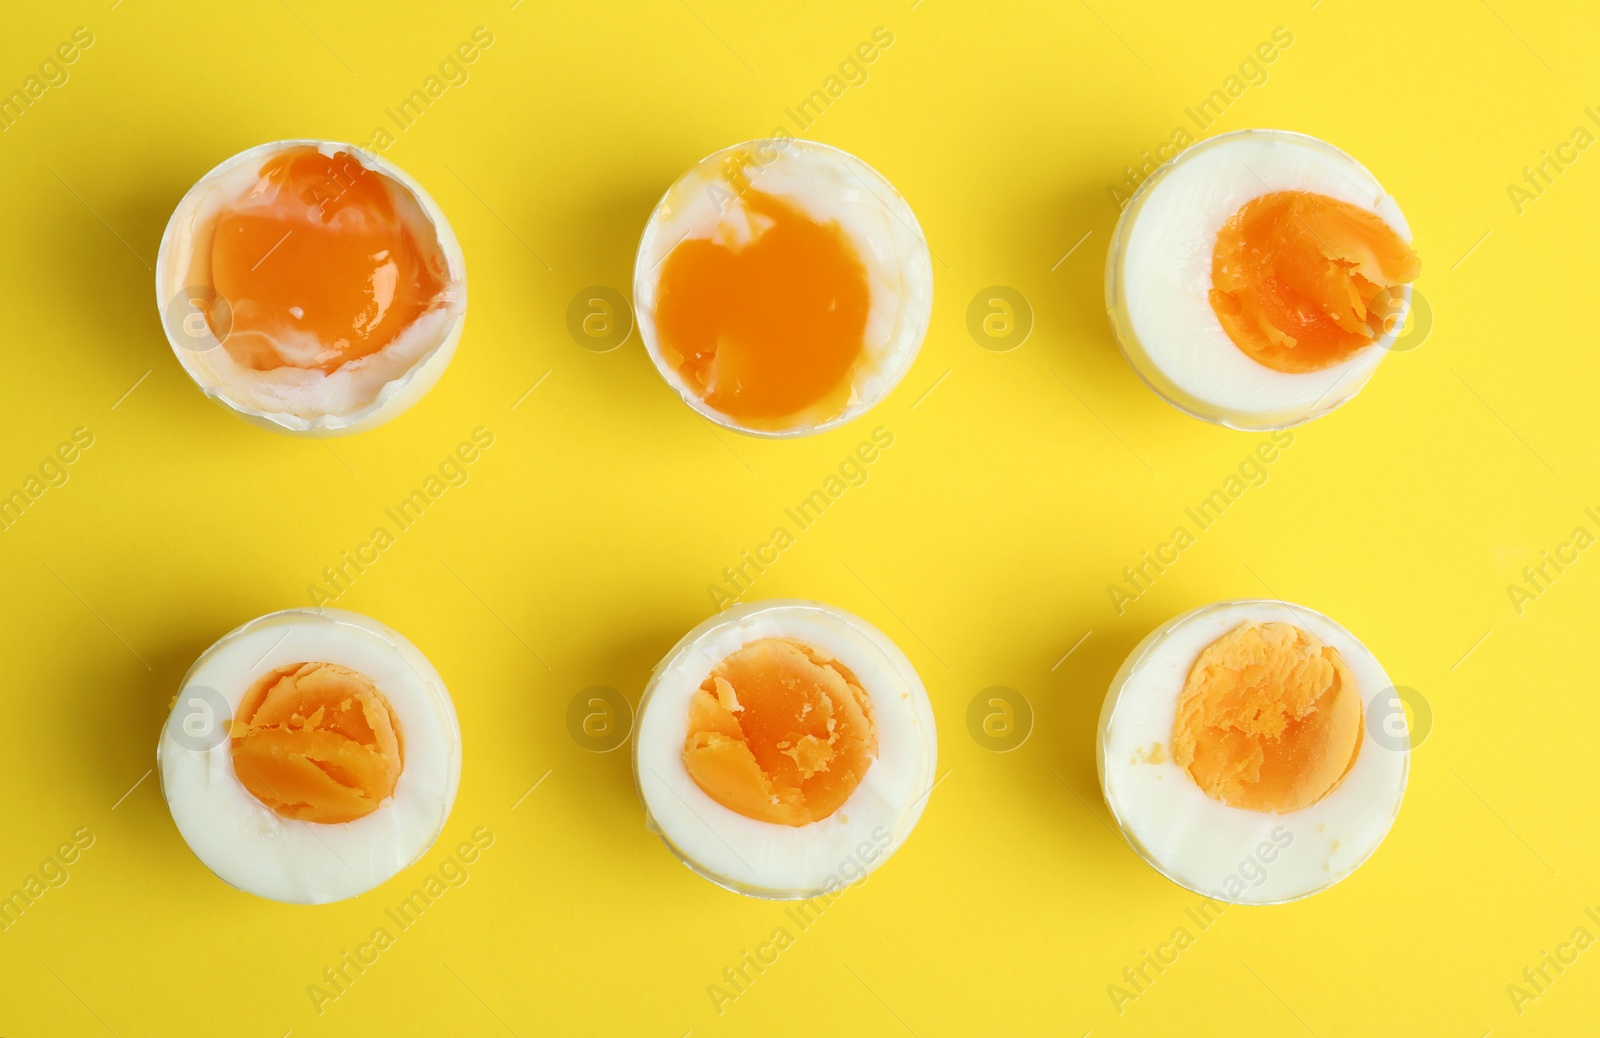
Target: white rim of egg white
x,y
1158,276
1172,823
867,208
292,400
766,859
257,850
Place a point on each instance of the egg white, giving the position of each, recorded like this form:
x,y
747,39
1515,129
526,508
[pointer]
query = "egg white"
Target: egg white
x,y
828,185
1158,276
1201,843
361,393
765,859
255,849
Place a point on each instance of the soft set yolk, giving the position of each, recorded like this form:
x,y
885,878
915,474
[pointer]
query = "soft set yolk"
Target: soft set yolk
x,y
770,329
316,265
1296,279
780,733
317,742
1269,719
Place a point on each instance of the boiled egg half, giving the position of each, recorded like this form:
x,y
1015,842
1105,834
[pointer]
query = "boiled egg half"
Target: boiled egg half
x,y
1258,279
310,755
783,287
784,749
311,287
1253,751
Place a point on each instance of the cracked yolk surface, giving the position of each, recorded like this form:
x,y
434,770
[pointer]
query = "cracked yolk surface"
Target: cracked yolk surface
x,y
780,733
769,329
317,742
1297,278
316,265
1269,719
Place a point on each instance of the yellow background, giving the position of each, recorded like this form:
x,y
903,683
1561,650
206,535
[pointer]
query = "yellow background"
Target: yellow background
x,y
983,542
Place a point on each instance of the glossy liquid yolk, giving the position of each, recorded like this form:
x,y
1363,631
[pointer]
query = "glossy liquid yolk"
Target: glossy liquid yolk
x,y
1269,719
780,733
317,742
769,331
316,265
1302,281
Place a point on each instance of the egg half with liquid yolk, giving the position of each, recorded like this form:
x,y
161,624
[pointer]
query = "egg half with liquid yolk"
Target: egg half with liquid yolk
x,y
784,749
1253,751
310,755
1258,278
783,287
311,287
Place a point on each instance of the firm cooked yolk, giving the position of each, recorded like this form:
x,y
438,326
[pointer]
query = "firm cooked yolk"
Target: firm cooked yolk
x,y
1297,277
1269,719
769,330
316,265
780,733
317,742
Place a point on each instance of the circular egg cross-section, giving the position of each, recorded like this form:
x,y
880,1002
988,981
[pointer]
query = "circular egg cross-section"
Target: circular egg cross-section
x,y
1257,279
1236,754
311,287
784,749
783,287
310,755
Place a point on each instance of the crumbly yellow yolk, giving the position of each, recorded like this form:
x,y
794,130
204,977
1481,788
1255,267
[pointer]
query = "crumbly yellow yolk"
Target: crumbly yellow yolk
x,y
1269,719
770,329
780,733
316,265
1296,279
317,742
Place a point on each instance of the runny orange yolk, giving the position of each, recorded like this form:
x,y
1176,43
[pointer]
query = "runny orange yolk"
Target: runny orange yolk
x,y
317,742
767,331
1301,281
780,733
316,265
1269,719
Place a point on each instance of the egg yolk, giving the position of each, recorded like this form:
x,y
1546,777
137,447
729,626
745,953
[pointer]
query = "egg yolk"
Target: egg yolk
x,y
770,330
780,733
1269,719
317,742
1296,279
316,265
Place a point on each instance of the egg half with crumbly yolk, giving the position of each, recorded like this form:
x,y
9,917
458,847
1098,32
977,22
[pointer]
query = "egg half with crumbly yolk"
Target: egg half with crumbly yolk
x,y
782,287
1250,751
784,749
1258,278
311,286
310,755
